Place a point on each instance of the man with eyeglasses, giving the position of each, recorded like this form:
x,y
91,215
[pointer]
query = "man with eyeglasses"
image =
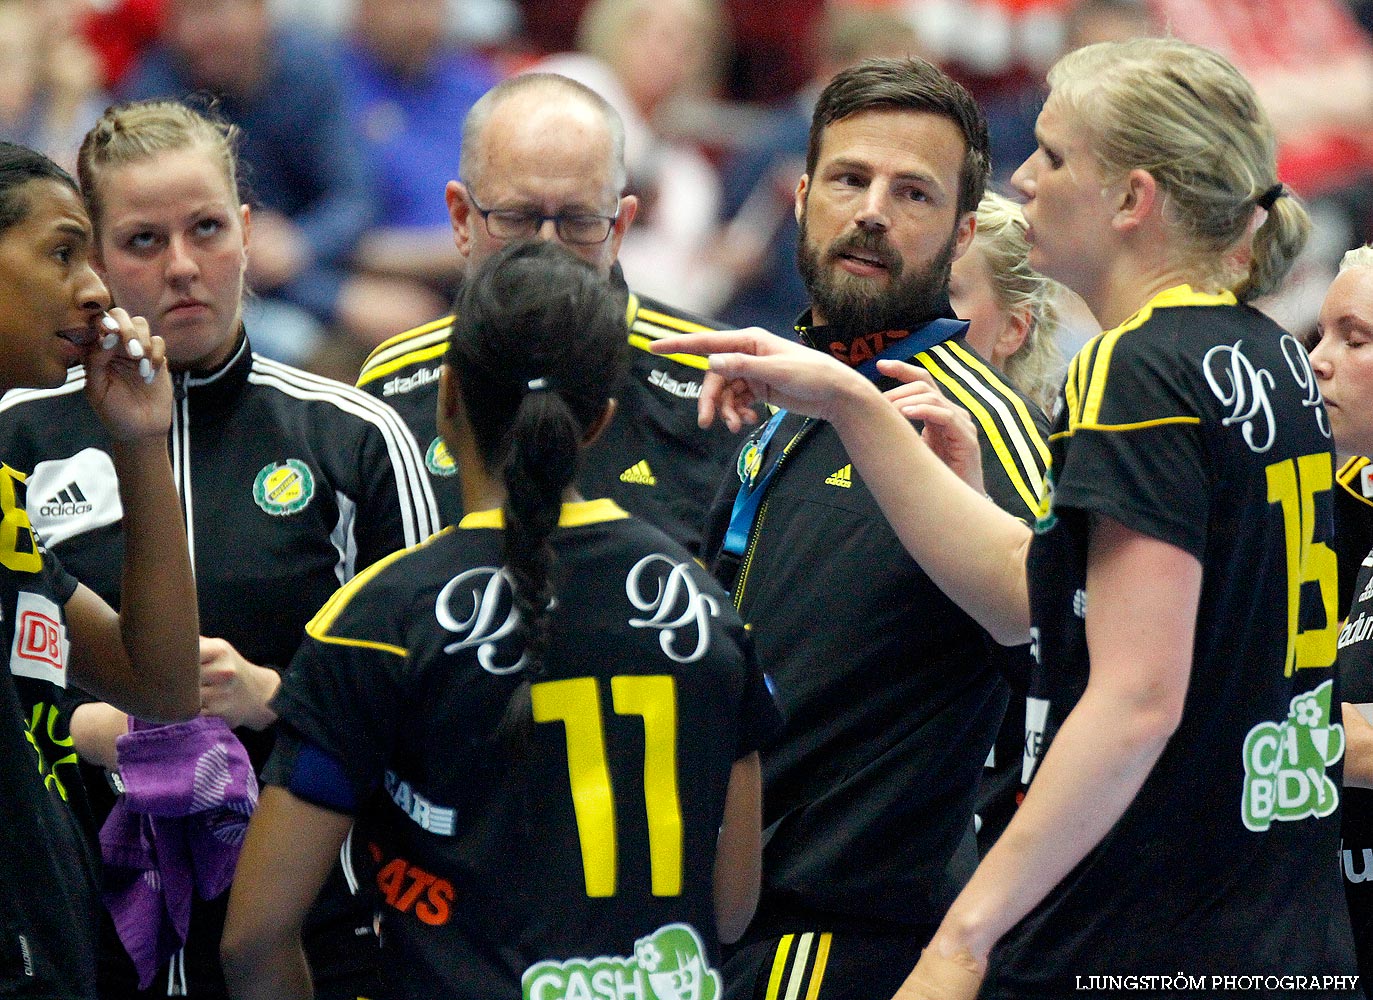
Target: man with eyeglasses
x,y
543,156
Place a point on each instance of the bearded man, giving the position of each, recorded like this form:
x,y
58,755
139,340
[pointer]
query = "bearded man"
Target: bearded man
x,y
890,696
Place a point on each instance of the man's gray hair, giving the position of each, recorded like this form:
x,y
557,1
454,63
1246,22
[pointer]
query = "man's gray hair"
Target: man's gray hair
x,y
556,86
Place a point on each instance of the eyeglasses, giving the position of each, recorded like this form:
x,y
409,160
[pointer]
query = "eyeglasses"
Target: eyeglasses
x,y
576,228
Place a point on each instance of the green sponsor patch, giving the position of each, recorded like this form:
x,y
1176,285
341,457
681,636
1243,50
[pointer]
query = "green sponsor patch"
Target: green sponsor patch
x,y
669,964
1285,762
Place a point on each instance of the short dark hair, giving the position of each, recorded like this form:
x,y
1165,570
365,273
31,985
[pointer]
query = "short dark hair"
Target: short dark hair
x,y
909,84
18,166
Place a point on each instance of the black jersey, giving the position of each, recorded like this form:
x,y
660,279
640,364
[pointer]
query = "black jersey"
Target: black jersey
x,y
289,482
47,874
653,459
890,698
1356,686
1353,522
1198,422
647,697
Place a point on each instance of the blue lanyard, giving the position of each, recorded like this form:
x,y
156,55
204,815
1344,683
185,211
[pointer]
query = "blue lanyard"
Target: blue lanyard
x,y
750,495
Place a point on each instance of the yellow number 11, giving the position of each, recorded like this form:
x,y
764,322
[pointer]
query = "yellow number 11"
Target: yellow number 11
x,y
576,703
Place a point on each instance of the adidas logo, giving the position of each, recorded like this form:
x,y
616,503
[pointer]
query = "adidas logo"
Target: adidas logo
x,y
639,474
844,478
66,503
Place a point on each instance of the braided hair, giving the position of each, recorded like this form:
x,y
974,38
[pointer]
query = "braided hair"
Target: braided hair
x,y
538,346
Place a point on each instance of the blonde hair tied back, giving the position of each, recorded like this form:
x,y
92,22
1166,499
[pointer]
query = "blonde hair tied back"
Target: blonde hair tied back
x,y
129,133
1001,230
1188,117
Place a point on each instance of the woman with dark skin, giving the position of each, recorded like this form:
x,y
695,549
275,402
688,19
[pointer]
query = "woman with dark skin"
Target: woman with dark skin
x,y
54,312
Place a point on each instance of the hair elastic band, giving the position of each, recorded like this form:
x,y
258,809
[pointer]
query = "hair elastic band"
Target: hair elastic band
x,y
1265,200
537,384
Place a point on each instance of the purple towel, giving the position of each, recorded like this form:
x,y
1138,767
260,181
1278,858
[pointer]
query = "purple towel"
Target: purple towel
x,y
189,789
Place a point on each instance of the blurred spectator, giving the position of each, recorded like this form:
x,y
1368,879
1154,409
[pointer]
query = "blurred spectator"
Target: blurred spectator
x,y
1312,66
1093,21
773,51
473,22
119,31
760,284
308,181
408,90
49,78
640,55
1000,50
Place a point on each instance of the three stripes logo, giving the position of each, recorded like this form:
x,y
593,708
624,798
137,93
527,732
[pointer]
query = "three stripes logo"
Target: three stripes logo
x,y
798,966
843,478
66,502
639,474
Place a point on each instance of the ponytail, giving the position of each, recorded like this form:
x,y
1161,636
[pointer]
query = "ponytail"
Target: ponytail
x,y
538,345
539,466
1277,244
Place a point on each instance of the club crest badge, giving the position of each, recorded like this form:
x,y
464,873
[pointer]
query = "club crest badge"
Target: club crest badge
x,y
438,460
284,487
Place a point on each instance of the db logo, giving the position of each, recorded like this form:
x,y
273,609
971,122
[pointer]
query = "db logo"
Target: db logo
x,y
40,640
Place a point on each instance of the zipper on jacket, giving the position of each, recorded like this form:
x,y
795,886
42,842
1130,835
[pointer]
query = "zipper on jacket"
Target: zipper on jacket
x,y
179,445
755,532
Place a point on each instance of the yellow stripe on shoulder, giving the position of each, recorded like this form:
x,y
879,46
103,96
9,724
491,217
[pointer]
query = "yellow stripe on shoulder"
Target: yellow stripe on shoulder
x,y
1020,468
690,360
997,380
646,319
1352,477
573,515
318,626
423,343
1091,371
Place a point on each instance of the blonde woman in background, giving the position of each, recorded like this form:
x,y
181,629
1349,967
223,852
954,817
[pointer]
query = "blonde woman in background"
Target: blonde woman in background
x,y
1013,309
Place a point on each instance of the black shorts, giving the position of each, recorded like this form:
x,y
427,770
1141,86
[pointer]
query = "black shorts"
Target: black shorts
x,y
823,965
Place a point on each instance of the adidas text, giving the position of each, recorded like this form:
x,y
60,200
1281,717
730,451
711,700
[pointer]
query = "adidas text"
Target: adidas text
x,y
66,503
639,474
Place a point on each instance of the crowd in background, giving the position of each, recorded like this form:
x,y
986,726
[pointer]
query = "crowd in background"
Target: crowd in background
x,y
352,114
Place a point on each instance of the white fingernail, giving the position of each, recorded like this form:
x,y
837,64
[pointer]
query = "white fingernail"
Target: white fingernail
x,y
145,368
109,340
135,349
109,323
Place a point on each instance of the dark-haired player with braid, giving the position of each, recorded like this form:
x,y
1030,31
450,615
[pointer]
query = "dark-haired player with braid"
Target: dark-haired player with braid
x,y
545,719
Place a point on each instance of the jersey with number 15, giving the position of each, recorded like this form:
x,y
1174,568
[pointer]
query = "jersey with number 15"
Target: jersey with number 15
x,y
1198,422
576,855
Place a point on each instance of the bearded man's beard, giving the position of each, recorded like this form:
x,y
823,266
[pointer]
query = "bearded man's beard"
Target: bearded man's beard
x,y
857,305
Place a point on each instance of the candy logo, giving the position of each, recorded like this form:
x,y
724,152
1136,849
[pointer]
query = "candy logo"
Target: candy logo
x,y
284,487
669,964
675,603
1285,762
1300,366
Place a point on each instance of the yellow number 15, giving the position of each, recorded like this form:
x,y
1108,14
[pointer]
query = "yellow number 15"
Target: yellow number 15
x,y
1294,484
576,703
